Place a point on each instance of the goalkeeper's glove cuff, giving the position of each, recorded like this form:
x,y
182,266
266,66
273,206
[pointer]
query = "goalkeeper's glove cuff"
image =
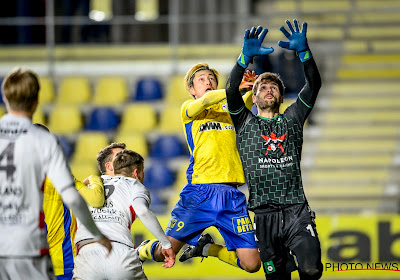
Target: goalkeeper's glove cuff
x,y
304,55
244,60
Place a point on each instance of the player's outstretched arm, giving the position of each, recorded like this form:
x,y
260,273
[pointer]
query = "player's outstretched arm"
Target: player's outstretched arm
x,y
253,40
252,46
298,42
150,221
197,106
92,190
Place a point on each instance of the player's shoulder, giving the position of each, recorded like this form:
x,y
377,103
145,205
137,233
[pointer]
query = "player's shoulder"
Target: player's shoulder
x,y
43,135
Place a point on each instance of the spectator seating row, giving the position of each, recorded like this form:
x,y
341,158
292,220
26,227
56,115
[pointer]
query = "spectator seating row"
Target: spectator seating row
x,y
134,118
108,91
113,91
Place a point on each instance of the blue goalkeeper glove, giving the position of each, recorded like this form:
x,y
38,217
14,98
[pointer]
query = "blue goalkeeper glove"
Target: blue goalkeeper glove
x,y
297,40
252,45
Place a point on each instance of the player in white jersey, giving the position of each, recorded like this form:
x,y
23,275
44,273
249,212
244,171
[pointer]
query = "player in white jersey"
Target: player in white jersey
x,y
126,198
27,155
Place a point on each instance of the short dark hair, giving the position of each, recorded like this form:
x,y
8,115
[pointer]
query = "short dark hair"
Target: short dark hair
x,y
272,77
126,161
105,155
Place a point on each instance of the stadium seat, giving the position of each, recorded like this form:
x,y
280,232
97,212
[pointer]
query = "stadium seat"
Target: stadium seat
x,y
170,120
102,118
110,91
167,147
134,141
176,93
148,89
88,145
158,176
39,117
65,120
66,145
46,93
74,91
138,118
222,79
82,170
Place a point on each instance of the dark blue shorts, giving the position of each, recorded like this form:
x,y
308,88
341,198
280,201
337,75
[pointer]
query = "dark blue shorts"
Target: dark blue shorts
x,y
205,205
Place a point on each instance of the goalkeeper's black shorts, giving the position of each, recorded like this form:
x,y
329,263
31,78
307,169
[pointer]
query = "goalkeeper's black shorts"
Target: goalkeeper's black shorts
x,y
283,231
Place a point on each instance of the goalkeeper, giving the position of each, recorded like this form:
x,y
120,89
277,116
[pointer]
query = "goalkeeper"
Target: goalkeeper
x,y
270,146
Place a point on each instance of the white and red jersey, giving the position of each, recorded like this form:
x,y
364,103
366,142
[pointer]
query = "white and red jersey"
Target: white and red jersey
x,y
27,155
116,216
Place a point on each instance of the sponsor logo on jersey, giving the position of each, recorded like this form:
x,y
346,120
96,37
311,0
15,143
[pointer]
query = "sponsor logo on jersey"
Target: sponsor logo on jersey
x,y
274,142
215,126
242,225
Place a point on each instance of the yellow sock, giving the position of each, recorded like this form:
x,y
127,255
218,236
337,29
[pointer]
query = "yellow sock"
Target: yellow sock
x,y
223,254
145,250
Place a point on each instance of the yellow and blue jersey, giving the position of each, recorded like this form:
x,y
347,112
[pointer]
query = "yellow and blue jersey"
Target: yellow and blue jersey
x,y
211,138
61,228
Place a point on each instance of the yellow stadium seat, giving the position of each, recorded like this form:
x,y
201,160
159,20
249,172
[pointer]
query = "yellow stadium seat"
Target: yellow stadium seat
x,y
176,92
82,170
46,93
222,80
110,91
88,145
65,120
170,120
138,118
74,91
39,117
134,141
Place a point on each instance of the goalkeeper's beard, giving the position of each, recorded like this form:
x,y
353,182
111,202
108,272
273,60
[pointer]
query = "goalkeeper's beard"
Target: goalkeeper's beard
x,y
267,105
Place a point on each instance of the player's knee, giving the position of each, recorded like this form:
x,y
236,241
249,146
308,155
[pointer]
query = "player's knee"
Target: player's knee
x,y
251,266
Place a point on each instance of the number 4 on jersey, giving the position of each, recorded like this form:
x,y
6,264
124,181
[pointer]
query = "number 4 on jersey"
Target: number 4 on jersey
x,y
7,161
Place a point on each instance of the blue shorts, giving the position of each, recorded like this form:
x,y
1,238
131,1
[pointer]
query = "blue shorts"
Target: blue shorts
x,y
205,205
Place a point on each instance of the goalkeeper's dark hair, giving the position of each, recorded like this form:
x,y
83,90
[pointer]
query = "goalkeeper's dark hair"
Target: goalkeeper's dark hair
x,y
188,82
126,161
105,155
269,77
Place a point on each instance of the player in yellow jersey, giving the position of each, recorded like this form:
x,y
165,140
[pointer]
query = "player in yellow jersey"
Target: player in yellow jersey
x,y
211,197
61,225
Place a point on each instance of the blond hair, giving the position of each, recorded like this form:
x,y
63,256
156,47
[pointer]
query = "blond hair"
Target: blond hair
x,y
21,89
188,82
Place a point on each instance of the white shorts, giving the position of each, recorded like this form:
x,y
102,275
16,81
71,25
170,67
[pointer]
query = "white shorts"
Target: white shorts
x,y
123,263
26,268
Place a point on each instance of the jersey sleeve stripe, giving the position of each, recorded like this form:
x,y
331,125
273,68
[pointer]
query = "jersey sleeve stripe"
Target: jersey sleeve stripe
x,y
308,106
237,112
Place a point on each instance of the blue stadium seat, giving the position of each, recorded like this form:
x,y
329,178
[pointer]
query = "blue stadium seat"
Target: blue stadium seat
x,y
66,145
102,119
167,146
158,176
148,89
